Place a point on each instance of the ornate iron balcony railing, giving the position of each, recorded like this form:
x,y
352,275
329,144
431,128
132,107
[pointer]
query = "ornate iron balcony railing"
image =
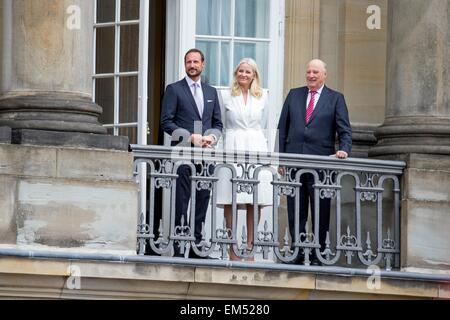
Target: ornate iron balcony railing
x,y
365,213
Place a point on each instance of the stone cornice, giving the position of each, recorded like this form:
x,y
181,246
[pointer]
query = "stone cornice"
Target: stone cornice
x,y
34,278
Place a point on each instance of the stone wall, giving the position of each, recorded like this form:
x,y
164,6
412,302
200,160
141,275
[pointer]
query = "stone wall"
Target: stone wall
x,y
426,212
67,198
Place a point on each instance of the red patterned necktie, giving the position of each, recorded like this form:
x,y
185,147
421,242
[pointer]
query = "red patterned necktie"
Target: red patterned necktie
x,y
310,108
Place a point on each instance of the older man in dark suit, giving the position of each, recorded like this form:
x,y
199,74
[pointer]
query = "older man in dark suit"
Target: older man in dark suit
x,y
310,119
191,111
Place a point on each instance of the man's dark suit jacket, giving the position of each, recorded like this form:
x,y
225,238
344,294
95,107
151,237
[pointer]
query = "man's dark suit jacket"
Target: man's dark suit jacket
x,y
179,111
330,116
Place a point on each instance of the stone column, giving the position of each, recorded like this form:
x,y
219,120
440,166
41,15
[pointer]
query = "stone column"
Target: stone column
x,y
46,51
418,75
301,40
417,126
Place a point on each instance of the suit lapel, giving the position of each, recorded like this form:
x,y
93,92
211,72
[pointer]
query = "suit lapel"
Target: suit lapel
x,y
205,100
319,106
189,96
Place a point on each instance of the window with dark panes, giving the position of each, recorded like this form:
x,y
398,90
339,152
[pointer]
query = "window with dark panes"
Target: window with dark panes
x,y
116,73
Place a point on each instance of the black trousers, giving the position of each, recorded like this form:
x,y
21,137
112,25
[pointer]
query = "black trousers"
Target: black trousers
x,y
183,195
307,197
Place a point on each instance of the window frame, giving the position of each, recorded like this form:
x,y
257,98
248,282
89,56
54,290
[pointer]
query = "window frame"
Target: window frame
x,y
142,73
232,39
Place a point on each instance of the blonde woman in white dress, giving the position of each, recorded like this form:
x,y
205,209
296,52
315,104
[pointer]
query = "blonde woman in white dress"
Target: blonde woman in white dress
x,y
245,129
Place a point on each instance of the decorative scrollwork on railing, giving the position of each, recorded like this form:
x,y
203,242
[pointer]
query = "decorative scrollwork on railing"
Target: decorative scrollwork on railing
x,y
243,247
161,243
286,251
369,253
388,243
182,231
204,245
203,185
142,227
245,187
265,236
369,192
246,170
328,253
143,232
224,233
328,187
163,166
209,168
329,177
290,174
307,238
327,193
164,183
349,243
368,196
389,249
202,168
371,180
288,191
307,242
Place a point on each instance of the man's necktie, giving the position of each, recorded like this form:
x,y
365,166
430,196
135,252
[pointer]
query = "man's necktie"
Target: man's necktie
x,y
198,99
310,108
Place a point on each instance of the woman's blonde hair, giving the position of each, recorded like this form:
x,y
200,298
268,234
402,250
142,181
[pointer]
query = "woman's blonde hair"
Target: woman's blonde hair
x,y
255,86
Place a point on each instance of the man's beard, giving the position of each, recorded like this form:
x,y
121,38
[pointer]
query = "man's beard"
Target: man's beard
x,y
196,72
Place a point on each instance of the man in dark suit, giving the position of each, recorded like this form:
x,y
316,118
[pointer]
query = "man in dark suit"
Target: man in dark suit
x,y
191,111
309,121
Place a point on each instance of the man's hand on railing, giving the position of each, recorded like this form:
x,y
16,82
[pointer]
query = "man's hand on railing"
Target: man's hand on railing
x,y
196,139
341,154
208,141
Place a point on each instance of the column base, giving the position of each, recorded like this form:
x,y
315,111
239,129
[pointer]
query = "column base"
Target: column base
x,y
363,138
5,135
404,135
69,139
55,111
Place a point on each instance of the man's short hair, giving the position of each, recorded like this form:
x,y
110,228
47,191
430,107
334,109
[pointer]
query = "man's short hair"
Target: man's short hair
x,y
195,50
